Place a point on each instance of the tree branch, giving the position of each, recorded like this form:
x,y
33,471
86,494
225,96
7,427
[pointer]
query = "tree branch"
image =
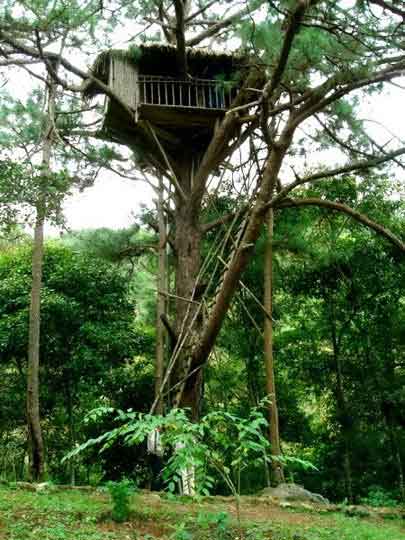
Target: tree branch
x,y
340,207
362,165
18,62
389,7
180,38
200,11
268,90
173,178
85,76
316,100
219,147
242,254
205,227
292,30
171,333
229,21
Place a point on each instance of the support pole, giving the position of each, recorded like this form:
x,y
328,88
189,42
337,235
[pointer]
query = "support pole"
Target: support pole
x,y
161,302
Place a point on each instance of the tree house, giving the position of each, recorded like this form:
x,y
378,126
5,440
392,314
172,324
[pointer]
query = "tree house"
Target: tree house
x,y
173,117
169,116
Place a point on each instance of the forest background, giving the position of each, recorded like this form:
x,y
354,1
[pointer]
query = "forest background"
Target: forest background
x,y
336,277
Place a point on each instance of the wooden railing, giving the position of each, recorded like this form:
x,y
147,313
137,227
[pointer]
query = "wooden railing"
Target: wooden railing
x,y
194,93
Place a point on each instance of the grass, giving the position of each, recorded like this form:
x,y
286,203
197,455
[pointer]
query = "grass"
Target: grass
x,y
42,516
344,528
78,515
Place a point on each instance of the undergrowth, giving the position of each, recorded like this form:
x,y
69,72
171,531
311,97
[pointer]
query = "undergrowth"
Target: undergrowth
x,y
75,515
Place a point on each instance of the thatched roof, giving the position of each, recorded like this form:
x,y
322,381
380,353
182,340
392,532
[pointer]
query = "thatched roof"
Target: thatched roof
x,y
160,59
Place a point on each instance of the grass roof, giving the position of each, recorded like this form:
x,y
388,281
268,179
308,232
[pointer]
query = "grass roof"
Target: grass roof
x,y
161,59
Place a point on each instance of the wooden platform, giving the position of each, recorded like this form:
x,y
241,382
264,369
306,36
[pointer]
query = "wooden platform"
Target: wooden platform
x,y
180,117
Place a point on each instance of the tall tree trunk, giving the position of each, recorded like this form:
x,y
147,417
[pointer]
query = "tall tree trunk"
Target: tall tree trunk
x,y
33,418
253,391
161,300
71,425
187,293
277,472
396,451
188,260
345,418
347,468
387,410
37,462
241,257
389,416
201,349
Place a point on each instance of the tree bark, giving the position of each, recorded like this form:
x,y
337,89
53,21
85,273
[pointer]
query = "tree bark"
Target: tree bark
x,y
37,462
243,253
277,473
37,458
161,300
344,416
389,416
188,261
396,452
71,425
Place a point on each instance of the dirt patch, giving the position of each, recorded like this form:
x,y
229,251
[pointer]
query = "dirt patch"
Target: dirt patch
x,y
259,511
280,515
136,527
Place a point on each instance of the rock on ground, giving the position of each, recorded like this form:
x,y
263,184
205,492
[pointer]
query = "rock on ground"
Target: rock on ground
x,y
294,492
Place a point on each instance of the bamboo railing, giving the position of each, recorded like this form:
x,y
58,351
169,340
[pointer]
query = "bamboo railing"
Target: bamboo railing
x,y
193,93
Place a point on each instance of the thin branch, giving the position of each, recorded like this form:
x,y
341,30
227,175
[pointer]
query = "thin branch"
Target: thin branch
x,y
251,293
292,30
219,147
137,251
215,153
339,141
200,11
389,7
169,330
250,316
340,207
170,295
33,74
173,177
362,165
18,62
85,76
205,227
225,23
316,100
